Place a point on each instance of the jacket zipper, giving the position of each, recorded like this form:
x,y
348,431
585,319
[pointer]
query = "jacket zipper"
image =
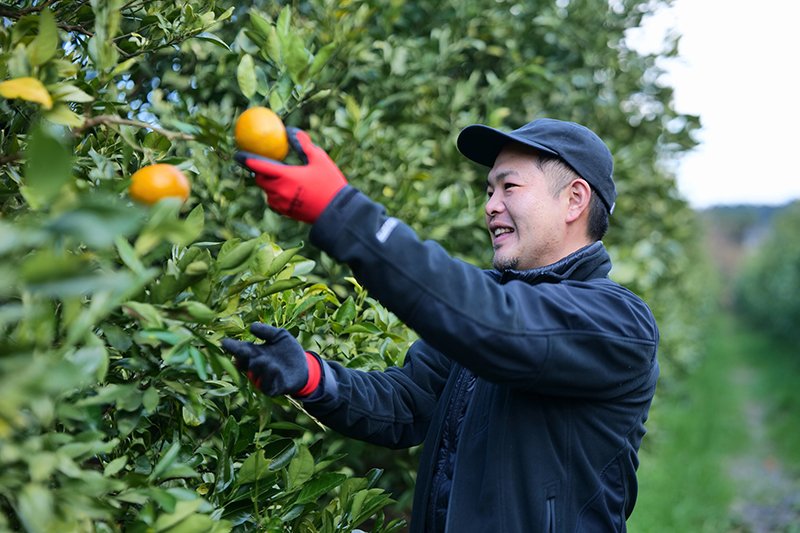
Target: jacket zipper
x,y
551,515
461,390
452,421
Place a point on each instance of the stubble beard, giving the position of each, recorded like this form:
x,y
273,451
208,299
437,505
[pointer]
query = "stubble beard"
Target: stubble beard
x,y
505,263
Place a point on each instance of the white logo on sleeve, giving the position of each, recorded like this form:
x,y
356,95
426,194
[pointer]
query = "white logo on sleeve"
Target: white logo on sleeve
x,y
386,229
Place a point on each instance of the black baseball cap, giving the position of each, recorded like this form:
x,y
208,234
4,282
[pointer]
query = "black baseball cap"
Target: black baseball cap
x,y
576,145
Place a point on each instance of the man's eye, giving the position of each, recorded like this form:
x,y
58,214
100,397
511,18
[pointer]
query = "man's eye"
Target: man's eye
x,y
507,186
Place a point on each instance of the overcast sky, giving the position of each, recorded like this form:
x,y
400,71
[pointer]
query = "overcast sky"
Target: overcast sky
x,y
738,71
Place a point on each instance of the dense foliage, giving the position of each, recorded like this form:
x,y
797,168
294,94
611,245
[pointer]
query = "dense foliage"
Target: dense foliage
x,y
118,409
768,283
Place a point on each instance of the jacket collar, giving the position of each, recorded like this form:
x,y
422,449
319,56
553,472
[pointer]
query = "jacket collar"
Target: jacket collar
x,y
590,262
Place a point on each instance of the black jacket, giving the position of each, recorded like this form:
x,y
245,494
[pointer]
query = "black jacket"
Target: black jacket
x,y
566,369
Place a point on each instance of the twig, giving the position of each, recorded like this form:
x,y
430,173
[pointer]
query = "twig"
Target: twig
x,y
78,29
309,415
22,12
113,119
10,158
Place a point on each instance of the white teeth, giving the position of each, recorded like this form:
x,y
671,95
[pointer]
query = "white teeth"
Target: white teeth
x,y
500,231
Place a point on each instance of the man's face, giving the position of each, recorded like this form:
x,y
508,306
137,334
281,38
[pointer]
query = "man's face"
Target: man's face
x,y
526,222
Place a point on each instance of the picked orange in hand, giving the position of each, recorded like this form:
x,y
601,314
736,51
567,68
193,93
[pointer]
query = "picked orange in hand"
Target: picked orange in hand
x,y
261,131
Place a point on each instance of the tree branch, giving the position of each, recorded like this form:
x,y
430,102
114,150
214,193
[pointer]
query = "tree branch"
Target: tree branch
x,y
22,12
71,28
113,119
10,158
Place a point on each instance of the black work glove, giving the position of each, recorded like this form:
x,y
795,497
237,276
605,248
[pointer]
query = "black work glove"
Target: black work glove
x,y
277,367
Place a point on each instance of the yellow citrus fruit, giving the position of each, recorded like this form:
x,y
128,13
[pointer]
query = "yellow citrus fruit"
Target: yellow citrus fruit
x,y
154,182
260,131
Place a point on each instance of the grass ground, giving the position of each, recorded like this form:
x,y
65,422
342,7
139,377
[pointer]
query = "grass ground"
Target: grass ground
x,y
777,386
683,484
724,451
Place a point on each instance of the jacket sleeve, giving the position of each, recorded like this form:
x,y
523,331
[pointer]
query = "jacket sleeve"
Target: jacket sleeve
x,y
392,408
588,339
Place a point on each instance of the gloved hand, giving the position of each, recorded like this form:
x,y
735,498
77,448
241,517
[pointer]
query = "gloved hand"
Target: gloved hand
x,y
279,366
300,192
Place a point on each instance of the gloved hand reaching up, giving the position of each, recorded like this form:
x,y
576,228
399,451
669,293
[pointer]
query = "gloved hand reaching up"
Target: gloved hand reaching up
x,y
279,366
300,192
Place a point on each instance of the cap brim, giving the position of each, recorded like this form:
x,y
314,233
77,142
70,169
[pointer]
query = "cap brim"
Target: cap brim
x,y
482,144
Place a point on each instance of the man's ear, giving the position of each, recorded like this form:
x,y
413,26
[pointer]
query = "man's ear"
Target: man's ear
x,y
579,193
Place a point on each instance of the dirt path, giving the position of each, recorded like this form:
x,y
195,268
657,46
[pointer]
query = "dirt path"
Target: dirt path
x,y
768,494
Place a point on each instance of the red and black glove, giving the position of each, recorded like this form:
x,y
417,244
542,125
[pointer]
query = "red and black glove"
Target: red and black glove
x,y
279,366
300,192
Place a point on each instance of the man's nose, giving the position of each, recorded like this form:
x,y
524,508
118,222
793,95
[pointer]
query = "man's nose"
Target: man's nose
x,y
494,204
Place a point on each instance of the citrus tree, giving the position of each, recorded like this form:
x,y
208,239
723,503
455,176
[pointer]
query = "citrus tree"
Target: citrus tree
x,y
119,410
768,283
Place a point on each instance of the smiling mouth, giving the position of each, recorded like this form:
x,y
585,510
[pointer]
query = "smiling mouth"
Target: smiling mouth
x,y
498,236
501,231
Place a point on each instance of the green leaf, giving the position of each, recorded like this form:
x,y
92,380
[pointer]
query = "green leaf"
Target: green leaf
x,y
374,502
124,66
63,116
156,142
146,314
363,327
225,15
196,268
45,45
254,468
116,337
356,504
66,92
346,312
211,38
296,57
284,19
150,399
195,222
115,466
35,507
303,304
301,468
196,312
246,76
319,486
235,259
276,102
199,362
261,25
183,510
282,260
262,260
99,221
327,461
274,49
49,166
166,460
283,285
285,425
196,523
91,360
322,57
192,417
283,458
372,477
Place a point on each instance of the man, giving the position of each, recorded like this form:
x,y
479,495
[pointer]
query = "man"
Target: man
x,y
531,382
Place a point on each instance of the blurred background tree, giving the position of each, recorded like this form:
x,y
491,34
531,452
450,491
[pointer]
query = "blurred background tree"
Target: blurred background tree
x,y
119,411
